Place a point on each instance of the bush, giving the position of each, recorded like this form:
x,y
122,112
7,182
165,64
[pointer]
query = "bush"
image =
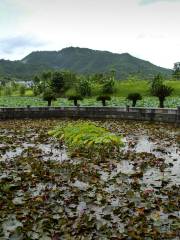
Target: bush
x,y
22,90
103,99
75,98
7,91
84,88
108,87
49,96
160,90
134,97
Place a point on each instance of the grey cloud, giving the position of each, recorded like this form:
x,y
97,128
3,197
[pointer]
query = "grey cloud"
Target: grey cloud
x,y
144,2
9,45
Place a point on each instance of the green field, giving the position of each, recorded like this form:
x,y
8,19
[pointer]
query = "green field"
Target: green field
x,y
122,89
13,101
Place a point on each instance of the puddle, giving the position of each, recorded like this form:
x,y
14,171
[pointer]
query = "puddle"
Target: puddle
x,y
129,193
144,145
48,152
51,150
172,158
153,176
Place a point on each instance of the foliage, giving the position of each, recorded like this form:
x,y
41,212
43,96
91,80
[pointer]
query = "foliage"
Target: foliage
x,y
42,82
49,96
17,101
87,138
57,82
103,99
75,98
158,80
97,77
134,97
22,90
176,74
70,79
82,61
108,87
158,89
84,87
7,91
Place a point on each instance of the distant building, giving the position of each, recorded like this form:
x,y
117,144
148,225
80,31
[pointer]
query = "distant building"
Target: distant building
x,y
26,83
177,66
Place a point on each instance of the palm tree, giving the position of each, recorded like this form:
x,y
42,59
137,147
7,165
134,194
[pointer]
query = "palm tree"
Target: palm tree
x,y
134,97
161,91
49,96
103,99
75,98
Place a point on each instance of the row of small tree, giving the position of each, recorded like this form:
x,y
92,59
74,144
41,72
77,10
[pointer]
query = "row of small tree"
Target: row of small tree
x,y
60,82
157,89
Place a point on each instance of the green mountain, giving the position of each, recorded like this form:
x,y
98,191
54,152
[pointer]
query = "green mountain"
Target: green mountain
x,y
80,60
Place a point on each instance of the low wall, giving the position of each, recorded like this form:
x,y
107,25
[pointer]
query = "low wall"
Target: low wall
x,y
145,114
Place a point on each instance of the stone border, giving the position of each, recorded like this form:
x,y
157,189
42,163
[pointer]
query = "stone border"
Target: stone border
x,y
169,115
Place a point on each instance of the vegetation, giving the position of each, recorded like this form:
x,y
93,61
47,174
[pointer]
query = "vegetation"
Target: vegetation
x,y
66,83
49,96
158,89
22,90
75,99
57,82
81,61
176,72
162,91
88,139
84,87
134,97
17,101
103,99
109,83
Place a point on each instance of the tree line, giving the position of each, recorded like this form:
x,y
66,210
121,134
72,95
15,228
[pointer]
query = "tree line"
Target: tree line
x,y
53,84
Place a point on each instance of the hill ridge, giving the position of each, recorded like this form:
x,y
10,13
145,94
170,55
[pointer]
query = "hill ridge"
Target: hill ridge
x,y
82,61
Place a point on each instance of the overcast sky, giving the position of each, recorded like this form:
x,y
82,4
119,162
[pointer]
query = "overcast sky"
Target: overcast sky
x,y
147,29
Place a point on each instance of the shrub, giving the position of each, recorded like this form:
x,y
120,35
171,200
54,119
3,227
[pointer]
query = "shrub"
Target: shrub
x,y
103,99
161,91
84,88
22,90
49,96
75,98
7,91
108,87
134,97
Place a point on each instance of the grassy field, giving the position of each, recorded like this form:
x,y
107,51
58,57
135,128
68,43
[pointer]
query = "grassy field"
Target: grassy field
x,y
171,102
123,88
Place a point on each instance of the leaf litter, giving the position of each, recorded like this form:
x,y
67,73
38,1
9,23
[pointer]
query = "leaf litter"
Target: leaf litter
x,y
45,194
